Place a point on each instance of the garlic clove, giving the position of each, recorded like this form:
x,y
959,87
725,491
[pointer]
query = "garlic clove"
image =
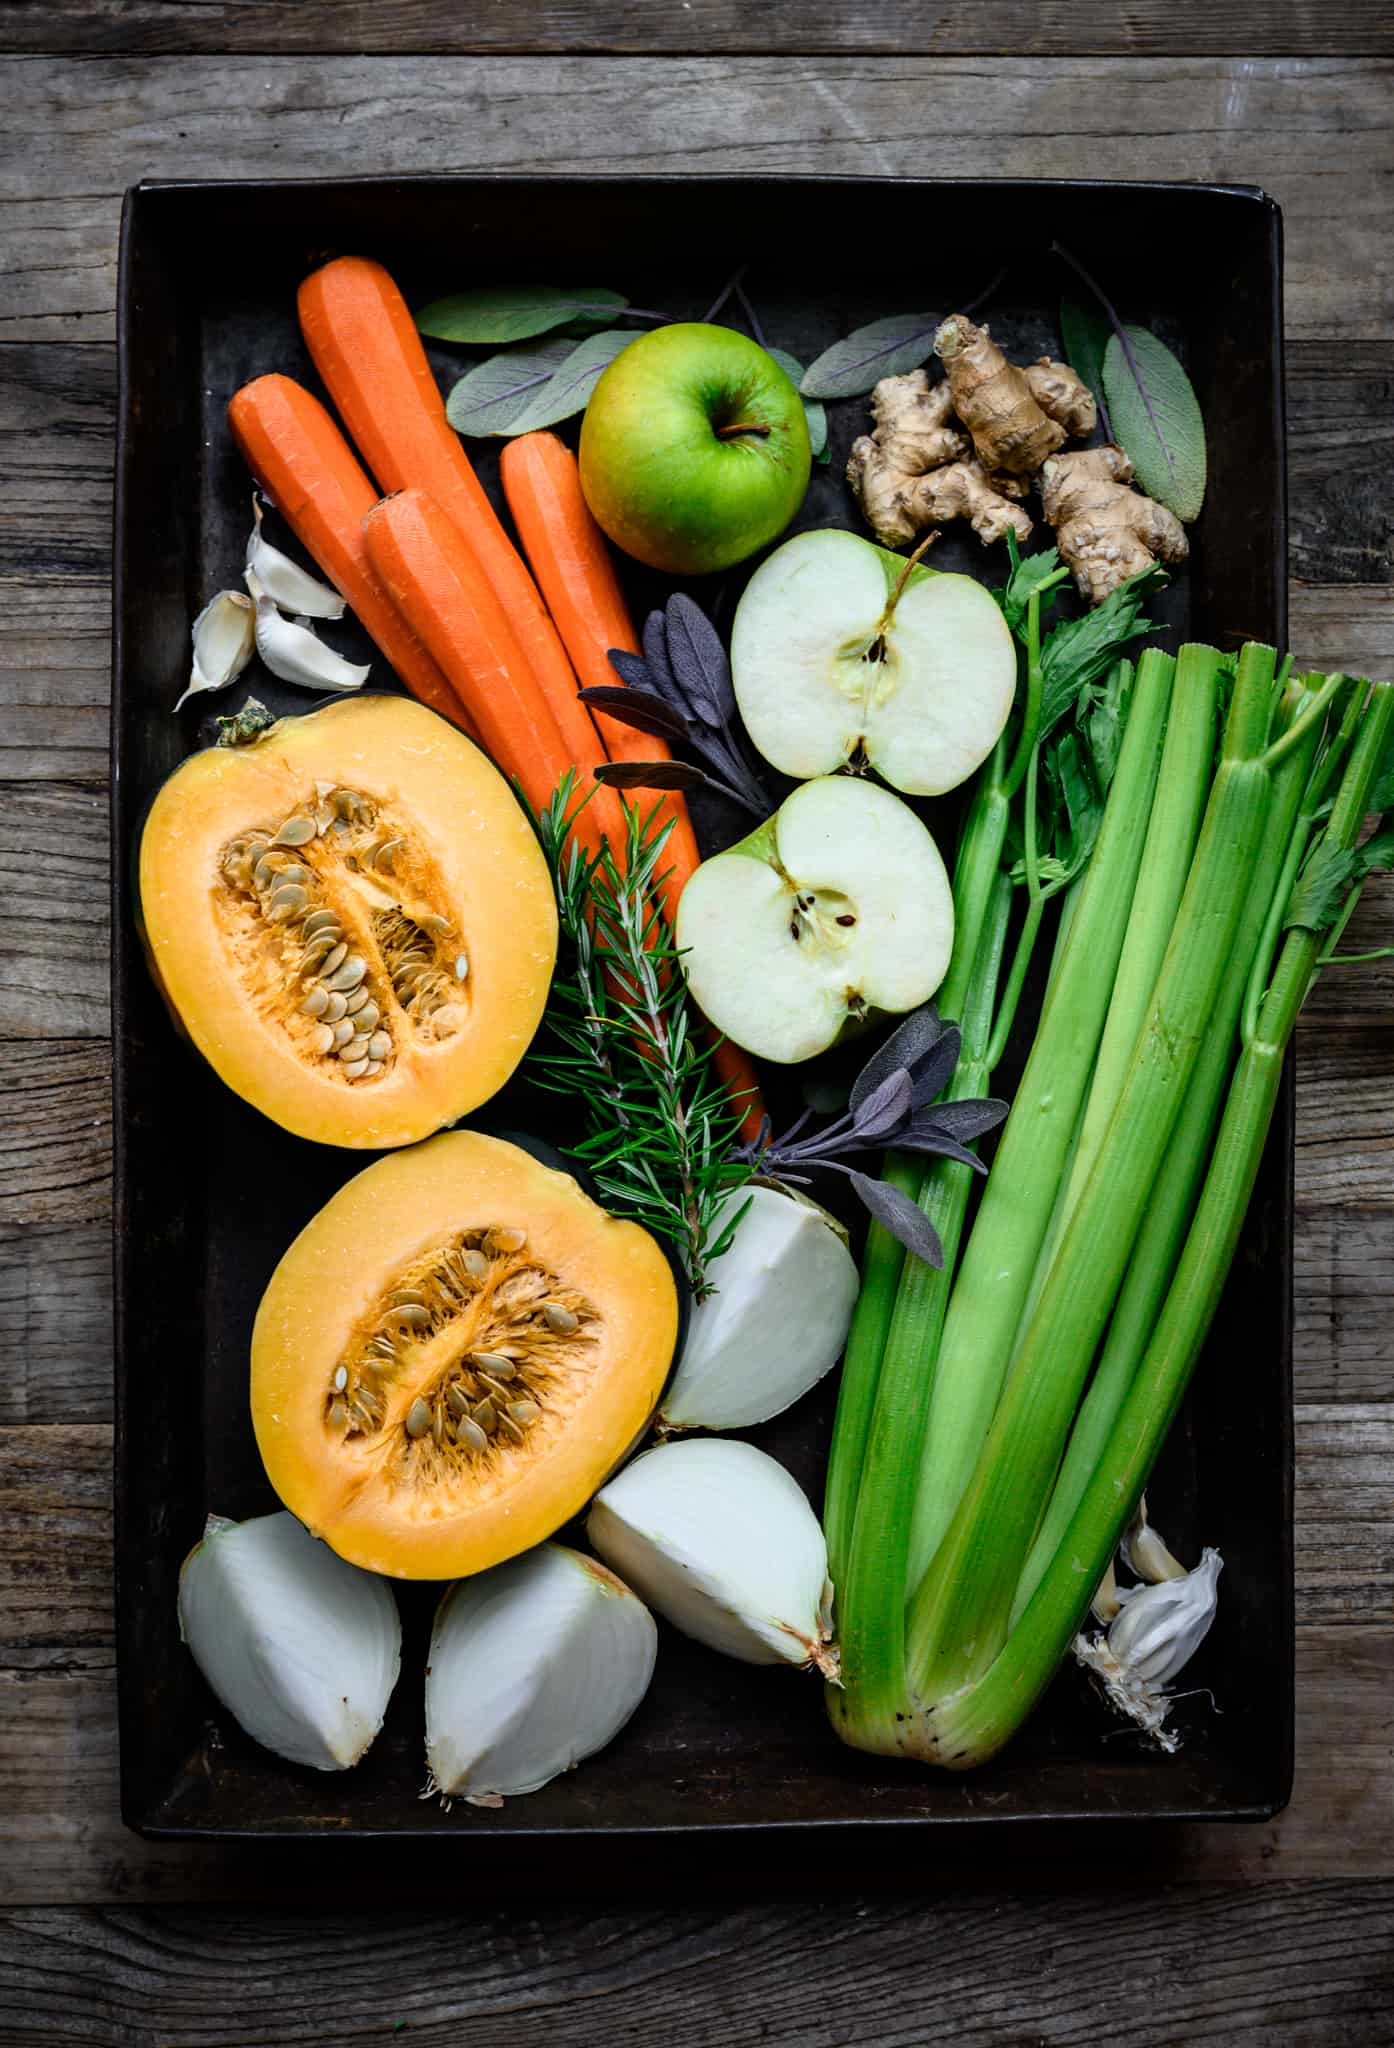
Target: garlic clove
x,y
1157,1631
224,636
534,1665
284,581
301,1648
294,653
785,1289
719,1538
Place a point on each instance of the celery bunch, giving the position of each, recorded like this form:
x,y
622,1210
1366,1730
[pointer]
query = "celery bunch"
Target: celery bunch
x,y
997,1425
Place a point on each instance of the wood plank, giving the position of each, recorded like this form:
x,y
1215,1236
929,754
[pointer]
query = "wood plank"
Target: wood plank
x,y
55,1153
1294,1966
1340,446
1316,132
697,28
54,862
55,1323
55,678
57,418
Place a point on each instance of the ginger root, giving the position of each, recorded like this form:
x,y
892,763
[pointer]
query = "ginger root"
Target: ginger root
x,y
964,490
1016,417
1105,530
912,436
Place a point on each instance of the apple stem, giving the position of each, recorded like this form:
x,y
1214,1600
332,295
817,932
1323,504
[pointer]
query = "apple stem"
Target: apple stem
x,y
742,427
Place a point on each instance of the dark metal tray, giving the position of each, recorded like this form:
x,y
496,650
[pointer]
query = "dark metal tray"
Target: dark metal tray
x,y
208,1193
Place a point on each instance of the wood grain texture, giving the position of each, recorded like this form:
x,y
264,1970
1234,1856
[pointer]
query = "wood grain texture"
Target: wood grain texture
x,y
54,862
1305,1967
695,27
1315,131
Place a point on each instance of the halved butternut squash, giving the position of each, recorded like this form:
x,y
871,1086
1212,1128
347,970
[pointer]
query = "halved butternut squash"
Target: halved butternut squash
x,y
453,1355
352,919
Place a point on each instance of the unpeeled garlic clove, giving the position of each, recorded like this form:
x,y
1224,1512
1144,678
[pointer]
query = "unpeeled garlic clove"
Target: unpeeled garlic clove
x,y
785,1289
301,1648
284,581
224,635
1154,1636
724,1544
294,653
534,1665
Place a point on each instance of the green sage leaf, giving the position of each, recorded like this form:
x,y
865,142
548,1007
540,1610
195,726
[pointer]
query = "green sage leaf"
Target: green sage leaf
x,y
568,389
883,348
492,394
1156,420
1084,334
813,412
513,313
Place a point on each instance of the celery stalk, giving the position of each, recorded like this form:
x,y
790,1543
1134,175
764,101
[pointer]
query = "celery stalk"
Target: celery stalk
x,y
1164,1227
965,1729
962,1609
1000,1256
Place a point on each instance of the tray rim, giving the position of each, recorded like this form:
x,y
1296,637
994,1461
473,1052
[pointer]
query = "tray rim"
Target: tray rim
x,y
867,1827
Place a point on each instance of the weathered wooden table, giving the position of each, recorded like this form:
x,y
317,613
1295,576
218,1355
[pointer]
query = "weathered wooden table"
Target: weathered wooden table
x,y
1180,1935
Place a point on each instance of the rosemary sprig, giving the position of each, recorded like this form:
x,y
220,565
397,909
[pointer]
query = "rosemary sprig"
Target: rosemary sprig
x,y
660,1126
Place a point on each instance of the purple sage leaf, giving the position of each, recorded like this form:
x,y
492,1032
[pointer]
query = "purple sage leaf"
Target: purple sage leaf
x,y
650,775
901,1217
698,661
660,676
639,708
877,1115
910,1043
967,1120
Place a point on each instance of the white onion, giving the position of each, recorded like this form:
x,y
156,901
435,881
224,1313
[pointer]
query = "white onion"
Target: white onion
x,y
534,1665
724,1544
785,1289
301,1648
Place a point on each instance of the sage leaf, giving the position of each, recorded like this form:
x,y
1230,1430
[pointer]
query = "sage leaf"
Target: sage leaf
x,y
883,348
965,1121
641,708
924,1045
656,655
877,1115
491,395
568,389
900,1216
1156,419
650,775
813,412
512,313
1084,334
698,661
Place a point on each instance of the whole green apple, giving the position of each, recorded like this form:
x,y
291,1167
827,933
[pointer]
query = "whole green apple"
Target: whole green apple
x,y
694,449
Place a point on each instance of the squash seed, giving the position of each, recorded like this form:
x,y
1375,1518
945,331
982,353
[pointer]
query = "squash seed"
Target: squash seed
x,y
500,1239
496,1362
356,1001
485,1415
340,1378
510,1428
414,1314
343,1032
356,1069
379,1045
321,921
336,958
457,1401
361,1024
401,1296
436,926
373,1067
337,1006
438,1427
418,1418
351,1049
470,1433
315,1003
295,832
323,1038
338,1415
462,966
348,974
524,1412
475,1264
559,1319
285,902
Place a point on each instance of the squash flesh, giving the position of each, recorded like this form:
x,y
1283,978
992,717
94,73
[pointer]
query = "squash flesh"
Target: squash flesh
x,y
468,857
416,1507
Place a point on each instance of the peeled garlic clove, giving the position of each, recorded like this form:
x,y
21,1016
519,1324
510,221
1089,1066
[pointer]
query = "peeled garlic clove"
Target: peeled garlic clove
x,y
724,1544
224,635
301,1648
785,1289
284,581
534,1665
293,652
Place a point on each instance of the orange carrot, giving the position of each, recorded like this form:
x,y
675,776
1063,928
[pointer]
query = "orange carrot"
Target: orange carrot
x,y
360,333
306,467
569,557
442,593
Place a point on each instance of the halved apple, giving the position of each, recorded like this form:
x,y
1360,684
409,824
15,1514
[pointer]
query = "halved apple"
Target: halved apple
x,y
831,666
835,908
